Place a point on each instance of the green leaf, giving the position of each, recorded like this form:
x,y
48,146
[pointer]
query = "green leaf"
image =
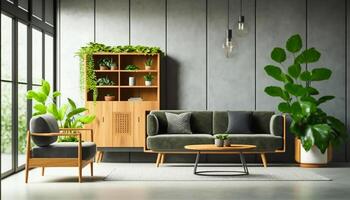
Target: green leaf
x,y
312,91
40,108
284,107
275,91
86,119
278,55
296,110
56,94
294,70
31,94
294,43
337,125
45,87
40,97
308,56
274,72
308,140
62,112
305,76
76,112
307,107
321,133
309,99
72,103
324,99
295,89
52,109
320,74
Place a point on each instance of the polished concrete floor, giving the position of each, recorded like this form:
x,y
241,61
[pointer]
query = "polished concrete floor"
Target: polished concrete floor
x,y
61,183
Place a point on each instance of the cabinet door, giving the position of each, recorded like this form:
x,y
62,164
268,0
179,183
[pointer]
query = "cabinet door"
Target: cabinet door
x,y
101,124
140,110
122,124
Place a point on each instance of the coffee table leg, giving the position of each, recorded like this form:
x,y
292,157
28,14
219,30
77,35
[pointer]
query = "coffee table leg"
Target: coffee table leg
x,y
196,163
244,164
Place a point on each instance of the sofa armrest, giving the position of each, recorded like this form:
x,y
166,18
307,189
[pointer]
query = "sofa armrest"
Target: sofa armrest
x,y
152,125
276,125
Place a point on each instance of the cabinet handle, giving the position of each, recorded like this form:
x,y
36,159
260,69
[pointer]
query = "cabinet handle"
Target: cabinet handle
x,y
103,119
138,119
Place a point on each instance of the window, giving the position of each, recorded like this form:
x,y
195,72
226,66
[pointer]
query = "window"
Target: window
x,y
27,56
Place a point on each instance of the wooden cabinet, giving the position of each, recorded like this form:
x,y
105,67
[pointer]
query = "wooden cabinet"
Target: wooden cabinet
x,y
122,123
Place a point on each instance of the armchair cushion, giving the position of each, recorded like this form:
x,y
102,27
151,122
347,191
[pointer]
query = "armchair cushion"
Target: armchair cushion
x,y
65,150
43,124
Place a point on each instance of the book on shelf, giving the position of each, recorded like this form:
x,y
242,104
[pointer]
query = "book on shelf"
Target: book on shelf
x,y
135,99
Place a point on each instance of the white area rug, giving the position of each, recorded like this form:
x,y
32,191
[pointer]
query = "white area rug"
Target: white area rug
x,y
178,172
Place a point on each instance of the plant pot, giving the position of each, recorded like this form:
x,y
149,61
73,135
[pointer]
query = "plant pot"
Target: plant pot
x,y
131,81
148,83
312,158
109,98
148,67
103,67
114,68
227,143
219,143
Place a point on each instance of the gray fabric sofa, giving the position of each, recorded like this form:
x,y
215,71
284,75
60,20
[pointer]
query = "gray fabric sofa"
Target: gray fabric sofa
x,y
268,132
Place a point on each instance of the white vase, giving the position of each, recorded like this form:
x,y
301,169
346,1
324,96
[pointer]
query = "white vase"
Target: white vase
x,y
148,83
131,81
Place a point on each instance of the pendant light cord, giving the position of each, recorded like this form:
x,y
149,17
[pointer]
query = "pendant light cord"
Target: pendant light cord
x,y
228,14
241,7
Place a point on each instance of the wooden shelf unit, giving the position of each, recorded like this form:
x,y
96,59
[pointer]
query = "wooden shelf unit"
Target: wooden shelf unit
x,y
122,123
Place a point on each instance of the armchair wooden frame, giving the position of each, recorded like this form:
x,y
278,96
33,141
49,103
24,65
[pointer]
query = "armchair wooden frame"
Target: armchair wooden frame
x,y
58,162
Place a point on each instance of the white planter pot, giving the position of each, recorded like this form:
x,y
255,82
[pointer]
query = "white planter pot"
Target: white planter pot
x,y
131,81
148,67
148,83
313,156
218,142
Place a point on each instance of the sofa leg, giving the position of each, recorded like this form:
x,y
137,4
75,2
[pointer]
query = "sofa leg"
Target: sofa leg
x,y
263,158
92,168
162,158
158,159
42,171
26,173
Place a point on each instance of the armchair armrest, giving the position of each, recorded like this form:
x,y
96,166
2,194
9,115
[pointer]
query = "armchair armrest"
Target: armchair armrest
x,y
152,125
55,134
278,127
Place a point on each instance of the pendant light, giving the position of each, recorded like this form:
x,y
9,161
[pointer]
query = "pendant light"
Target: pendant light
x,y
242,26
229,43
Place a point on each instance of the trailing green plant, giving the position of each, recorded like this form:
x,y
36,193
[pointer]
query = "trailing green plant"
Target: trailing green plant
x,y
149,62
104,81
106,62
148,77
67,116
131,67
223,136
85,54
300,99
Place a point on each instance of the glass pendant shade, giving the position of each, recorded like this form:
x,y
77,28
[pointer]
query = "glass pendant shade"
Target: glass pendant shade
x,y
229,44
242,29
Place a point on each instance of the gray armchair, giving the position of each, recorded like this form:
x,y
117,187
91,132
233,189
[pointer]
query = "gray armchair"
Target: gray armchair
x,y
44,131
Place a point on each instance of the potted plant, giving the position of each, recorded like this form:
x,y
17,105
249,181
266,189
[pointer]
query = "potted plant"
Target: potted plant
x,y
113,65
105,64
312,126
219,139
104,81
131,67
109,97
148,79
148,64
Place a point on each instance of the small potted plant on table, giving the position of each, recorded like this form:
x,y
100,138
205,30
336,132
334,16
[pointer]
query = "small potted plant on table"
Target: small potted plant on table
x,y
222,140
148,79
148,64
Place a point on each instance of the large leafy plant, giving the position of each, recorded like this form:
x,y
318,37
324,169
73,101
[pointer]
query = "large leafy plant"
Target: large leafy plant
x,y
85,54
67,116
300,99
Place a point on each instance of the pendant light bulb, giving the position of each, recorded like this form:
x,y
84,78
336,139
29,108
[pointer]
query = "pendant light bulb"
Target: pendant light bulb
x,y
229,44
242,29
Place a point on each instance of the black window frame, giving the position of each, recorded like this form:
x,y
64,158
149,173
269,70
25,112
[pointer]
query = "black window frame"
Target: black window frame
x,y
18,14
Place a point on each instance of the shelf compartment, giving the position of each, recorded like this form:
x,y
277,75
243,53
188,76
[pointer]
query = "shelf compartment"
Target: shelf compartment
x,y
103,91
137,60
147,94
98,57
139,80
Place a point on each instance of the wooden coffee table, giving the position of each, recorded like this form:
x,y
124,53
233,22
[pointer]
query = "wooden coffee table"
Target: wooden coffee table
x,y
211,148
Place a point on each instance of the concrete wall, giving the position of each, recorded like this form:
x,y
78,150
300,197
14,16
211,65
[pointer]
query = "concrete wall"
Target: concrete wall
x,y
195,73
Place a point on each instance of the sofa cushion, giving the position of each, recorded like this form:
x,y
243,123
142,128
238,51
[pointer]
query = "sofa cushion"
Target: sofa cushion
x,y
175,142
201,121
178,123
261,121
65,150
152,125
239,122
43,124
263,142
220,122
